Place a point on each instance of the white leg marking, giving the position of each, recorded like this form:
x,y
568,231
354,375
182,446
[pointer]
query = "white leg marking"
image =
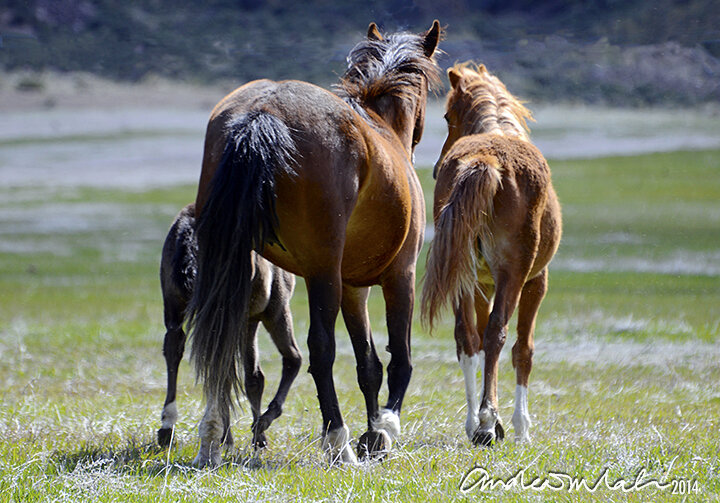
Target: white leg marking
x,y
169,415
521,417
210,431
386,420
337,444
469,366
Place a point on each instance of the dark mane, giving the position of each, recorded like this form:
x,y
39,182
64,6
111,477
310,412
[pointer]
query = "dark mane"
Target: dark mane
x,y
392,66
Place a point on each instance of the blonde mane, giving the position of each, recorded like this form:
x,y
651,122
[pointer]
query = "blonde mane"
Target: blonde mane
x,y
484,105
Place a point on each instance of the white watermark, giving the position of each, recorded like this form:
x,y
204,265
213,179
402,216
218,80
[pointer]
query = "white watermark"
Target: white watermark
x,y
478,479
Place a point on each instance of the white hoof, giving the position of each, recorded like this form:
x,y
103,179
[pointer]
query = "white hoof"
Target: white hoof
x,y
337,445
386,420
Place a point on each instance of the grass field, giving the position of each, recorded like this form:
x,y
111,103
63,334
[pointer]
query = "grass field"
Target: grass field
x,y
625,378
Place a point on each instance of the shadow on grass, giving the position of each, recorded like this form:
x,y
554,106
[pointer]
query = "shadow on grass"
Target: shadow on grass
x,y
147,458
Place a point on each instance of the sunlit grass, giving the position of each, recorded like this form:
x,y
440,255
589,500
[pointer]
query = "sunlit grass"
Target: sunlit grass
x,y
625,373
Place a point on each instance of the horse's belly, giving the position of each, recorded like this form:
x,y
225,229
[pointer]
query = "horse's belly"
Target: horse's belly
x,y
373,240
281,258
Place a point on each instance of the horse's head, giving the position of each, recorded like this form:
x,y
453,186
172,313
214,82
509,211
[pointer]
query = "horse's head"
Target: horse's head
x,y
477,103
391,76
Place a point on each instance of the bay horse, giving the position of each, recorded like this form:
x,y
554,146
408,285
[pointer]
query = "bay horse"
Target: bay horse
x,y
322,185
269,304
497,226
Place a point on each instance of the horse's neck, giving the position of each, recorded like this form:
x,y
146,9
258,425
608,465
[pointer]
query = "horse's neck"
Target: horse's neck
x,y
399,121
498,119
500,125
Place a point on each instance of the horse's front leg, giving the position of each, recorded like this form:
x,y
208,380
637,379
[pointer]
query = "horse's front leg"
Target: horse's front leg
x,y
324,298
369,367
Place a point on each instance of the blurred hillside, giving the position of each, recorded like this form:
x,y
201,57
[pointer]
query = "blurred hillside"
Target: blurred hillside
x,y
618,52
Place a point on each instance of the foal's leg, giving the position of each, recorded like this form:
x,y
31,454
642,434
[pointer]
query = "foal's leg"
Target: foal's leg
x,y
522,352
324,292
214,428
508,284
469,348
173,349
279,324
369,367
254,379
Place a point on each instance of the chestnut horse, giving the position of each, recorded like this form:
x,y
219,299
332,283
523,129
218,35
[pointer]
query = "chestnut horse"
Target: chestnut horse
x,y
322,185
497,225
269,304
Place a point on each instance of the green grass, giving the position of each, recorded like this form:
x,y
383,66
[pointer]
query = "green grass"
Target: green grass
x,y
625,375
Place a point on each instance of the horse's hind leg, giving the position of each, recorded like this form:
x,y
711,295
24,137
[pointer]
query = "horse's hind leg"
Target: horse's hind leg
x,y
369,367
324,292
471,356
522,352
399,293
173,349
509,283
254,378
214,428
279,326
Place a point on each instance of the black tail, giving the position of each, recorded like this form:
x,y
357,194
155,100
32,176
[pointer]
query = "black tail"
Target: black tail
x,y
239,216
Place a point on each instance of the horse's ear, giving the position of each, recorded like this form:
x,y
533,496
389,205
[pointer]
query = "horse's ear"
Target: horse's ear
x,y
454,76
373,32
432,37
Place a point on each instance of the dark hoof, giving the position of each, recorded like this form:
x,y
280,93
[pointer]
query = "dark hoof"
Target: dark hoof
x,y
259,441
164,437
487,438
374,445
483,439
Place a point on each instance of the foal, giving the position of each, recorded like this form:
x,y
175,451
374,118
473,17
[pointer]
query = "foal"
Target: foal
x,y
497,226
270,304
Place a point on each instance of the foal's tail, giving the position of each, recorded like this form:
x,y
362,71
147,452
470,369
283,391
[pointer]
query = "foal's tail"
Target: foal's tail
x,y
239,216
460,228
